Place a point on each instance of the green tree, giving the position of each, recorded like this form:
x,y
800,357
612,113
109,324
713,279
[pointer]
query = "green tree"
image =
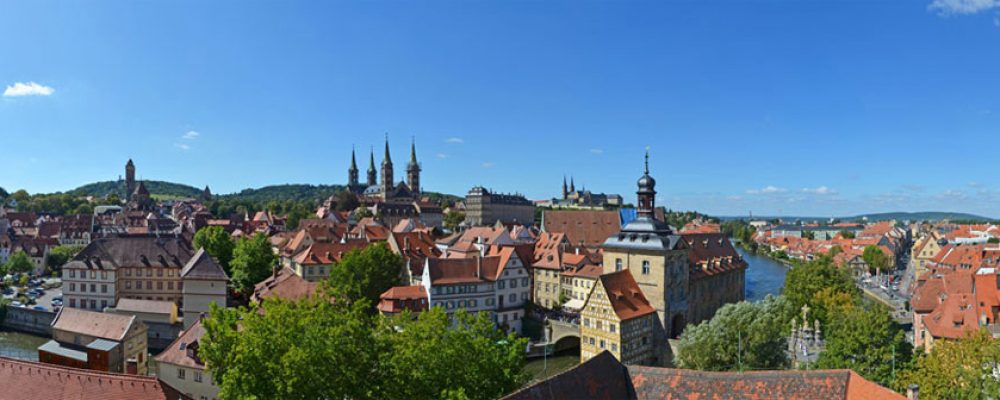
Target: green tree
x,y
347,201
846,234
957,369
303,350
805,281
19,263
252,262
867,341
809,235
362,212
217,243
422,355
740,336
876,259
366,273
60,255
453,219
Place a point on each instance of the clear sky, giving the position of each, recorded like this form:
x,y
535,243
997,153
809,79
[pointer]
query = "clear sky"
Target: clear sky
x,y
790,107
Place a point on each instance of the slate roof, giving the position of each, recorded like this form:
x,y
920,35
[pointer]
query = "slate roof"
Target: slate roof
x,y
133,251
146,306
203,267
25,380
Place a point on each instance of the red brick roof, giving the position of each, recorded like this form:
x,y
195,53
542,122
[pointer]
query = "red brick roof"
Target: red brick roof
x,y
320,253
664,383
711,254
446,271
25,380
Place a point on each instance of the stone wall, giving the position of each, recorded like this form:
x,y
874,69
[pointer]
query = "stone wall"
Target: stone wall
x,y
29,321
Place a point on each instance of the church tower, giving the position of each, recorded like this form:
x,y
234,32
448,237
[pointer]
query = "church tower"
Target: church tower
x,y
372,177
352,173
413,171
129,180
387,184
572,185
565,190
647,193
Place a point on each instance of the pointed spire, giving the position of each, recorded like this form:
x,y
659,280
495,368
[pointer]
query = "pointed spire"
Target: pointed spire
x,y
371,161
387,160
647,160
413,151
354,163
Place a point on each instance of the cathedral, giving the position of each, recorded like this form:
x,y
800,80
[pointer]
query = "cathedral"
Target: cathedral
x,y
137,197
379,185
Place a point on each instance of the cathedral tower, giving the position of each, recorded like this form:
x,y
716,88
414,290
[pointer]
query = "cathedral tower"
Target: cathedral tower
x,y
413,171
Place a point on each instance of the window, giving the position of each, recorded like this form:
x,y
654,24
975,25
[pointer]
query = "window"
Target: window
x,y
600,325
614,347
611,327
180,285
586,322
513,298
197,376
500,284
104,304
72,273
472,303
149,272
93,304
104,274
72,287
159,272
180,373
104,288
72,303
513,283
525,282
149,285
93,274
93,288
170,285
159,285
618,264
591,341
128,271
645,267
602,343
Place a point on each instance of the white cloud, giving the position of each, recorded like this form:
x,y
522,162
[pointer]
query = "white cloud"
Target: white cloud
x,y
441,155
182,146
822,190
454,140
488,164
952,7
597,151
19,89
190,135
767,190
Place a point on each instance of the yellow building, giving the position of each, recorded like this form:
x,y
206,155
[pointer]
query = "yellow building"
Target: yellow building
x,y
619,319
923,251
548,267
577,284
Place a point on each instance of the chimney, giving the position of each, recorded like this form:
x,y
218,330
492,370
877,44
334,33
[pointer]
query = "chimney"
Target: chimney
x,y
406,243
479,267
913,392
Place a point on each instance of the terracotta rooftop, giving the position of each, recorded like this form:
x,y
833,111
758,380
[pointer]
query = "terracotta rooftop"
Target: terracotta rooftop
x,y
25,380
177,353
603,377
286,285
587,228
398,298
446,271
100,325
625,296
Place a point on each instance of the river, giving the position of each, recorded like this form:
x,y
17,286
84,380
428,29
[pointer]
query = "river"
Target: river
x,y
764,276
20,345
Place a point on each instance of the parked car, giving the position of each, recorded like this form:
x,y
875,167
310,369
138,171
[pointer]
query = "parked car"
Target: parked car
x,y
58,298
8,291
38,308
56,303
16,304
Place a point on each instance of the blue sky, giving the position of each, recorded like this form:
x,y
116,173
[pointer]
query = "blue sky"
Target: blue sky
x,y
804,107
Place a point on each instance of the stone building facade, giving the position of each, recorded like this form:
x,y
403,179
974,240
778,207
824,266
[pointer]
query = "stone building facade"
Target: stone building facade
x,y
483,207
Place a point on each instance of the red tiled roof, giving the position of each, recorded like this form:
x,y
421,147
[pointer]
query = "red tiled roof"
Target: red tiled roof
x,y
25,380
177,353
668,383
625,296
953,318
100,325
711,254
399,298
446,271
320,253
587,228
286,285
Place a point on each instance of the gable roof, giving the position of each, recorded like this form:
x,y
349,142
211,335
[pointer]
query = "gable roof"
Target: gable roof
x,y
177,353
601,377
625,296
145,306
100,325
203,267
284,284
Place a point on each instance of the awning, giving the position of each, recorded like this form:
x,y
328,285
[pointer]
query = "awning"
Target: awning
x,y
574,304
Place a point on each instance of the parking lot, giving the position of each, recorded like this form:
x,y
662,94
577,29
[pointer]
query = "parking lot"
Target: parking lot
x,y
45,300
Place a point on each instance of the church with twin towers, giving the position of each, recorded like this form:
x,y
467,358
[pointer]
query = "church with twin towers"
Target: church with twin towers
x,y
380,185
